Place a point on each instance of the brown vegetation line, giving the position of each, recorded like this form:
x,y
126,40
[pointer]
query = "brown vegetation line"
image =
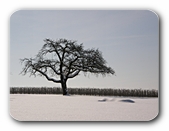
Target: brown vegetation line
x,y
85,91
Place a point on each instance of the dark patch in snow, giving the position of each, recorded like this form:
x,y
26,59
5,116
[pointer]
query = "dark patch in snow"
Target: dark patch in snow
x,y
128,101
103,100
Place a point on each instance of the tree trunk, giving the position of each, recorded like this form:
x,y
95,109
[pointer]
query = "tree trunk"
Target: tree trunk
x,y
64,87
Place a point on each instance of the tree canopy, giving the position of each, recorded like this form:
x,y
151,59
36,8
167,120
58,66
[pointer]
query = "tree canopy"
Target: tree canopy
x,y
63,59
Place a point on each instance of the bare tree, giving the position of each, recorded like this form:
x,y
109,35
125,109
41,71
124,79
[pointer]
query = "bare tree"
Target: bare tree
x,y
63,59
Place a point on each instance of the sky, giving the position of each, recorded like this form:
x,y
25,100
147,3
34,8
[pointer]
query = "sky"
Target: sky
x,y
128,40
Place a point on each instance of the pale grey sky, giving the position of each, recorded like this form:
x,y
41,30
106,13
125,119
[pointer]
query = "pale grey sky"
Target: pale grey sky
x,y
128,39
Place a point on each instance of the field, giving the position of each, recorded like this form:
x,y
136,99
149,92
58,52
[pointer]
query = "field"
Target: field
x,y
45,107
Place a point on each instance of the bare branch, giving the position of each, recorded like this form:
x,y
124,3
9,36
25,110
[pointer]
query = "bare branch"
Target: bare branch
x,y
40,67
49,79
74,74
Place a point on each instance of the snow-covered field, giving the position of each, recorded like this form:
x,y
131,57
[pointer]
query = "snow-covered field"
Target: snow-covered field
x,y
30,107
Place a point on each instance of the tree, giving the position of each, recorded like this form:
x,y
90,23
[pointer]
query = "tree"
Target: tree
x,y
63,59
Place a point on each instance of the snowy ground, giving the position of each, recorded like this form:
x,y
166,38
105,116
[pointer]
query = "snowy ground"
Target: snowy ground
x,y
30,107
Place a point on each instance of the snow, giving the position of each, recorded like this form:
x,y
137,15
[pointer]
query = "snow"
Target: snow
x,y
30,107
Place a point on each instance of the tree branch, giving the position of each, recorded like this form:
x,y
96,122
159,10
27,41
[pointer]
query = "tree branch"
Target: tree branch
x,y
73,75
49,79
